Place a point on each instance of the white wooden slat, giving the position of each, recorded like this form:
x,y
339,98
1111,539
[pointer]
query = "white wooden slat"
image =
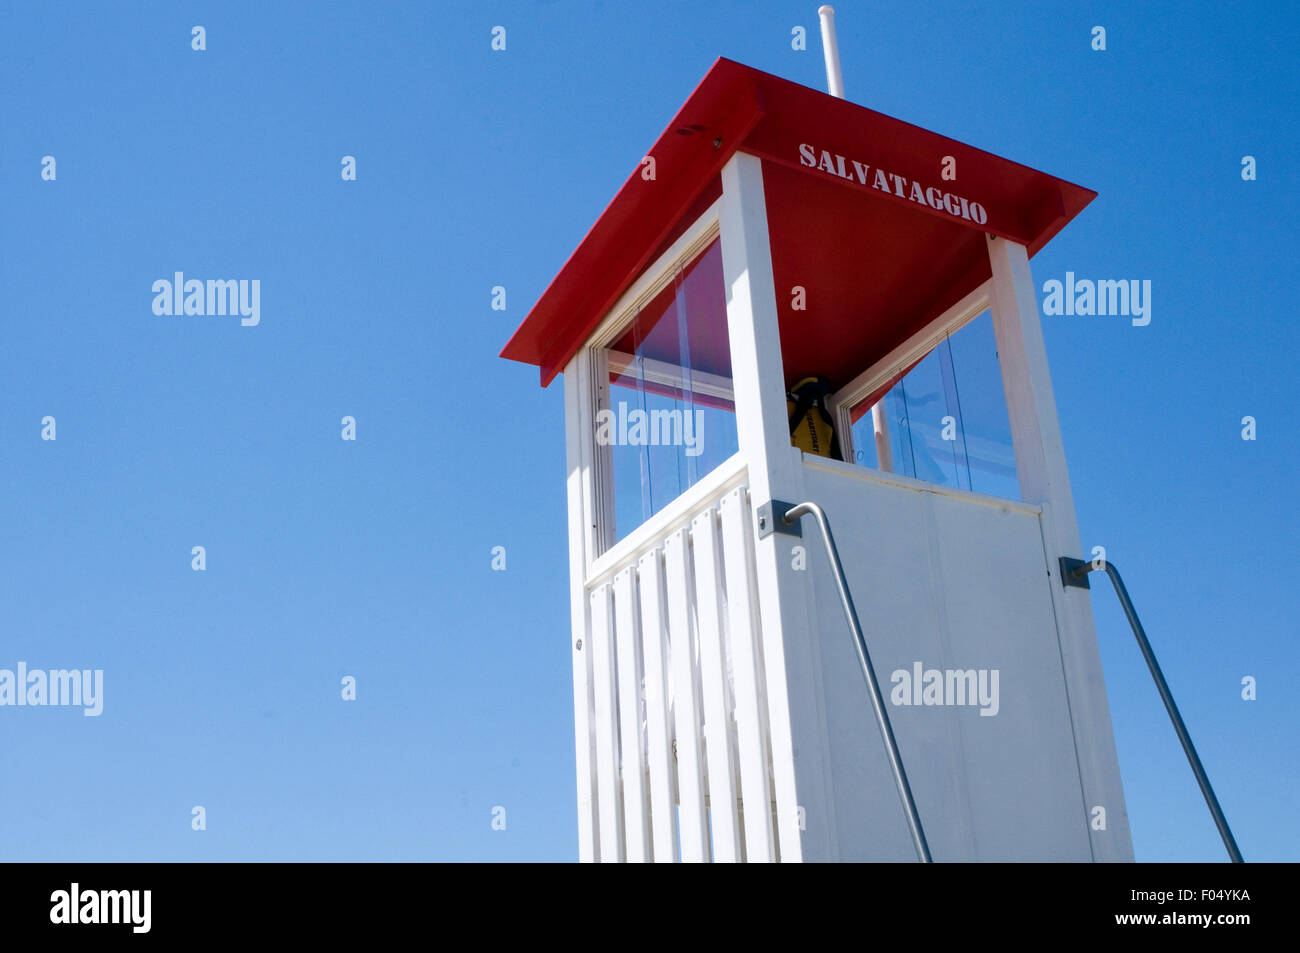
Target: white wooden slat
x,y
659,735
750,687
584,741
627,647
609,802
686,704
715,691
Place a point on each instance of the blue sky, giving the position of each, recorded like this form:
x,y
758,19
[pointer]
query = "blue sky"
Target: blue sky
x,y
372,558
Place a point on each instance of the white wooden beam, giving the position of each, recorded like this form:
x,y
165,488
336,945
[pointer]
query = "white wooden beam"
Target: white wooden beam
x,y
666,374
605,715
577,392
796,714
627,646
694,827
1045,480
659,732
751,711
715,691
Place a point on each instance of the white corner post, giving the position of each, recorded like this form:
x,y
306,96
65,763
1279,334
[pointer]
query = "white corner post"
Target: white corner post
x,y
1044,480
801,770
578,419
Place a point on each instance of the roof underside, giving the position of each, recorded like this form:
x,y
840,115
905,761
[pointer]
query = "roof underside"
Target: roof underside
x,y
856,215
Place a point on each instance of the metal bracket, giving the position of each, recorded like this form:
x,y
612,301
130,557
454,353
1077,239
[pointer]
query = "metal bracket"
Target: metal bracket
x,y
771,519
1070,575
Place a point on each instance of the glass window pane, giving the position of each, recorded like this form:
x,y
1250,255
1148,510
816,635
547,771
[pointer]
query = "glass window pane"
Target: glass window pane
x,y
947,418
918,410
985,426
669,418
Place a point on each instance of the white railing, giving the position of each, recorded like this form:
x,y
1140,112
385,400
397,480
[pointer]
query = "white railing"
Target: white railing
x,y
677,695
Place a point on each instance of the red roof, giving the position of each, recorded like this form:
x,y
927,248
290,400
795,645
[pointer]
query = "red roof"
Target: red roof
x,y
858,213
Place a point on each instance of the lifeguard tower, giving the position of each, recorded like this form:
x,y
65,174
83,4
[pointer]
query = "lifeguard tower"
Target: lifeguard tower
x,y
772,233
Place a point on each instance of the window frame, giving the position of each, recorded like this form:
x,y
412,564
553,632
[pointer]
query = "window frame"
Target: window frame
x,y
659,274
915,348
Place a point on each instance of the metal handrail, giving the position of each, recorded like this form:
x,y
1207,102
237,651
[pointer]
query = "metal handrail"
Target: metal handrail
x,y
877,700
1074,572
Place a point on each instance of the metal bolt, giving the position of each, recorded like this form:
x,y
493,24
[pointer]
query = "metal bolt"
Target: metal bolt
x,y
578,645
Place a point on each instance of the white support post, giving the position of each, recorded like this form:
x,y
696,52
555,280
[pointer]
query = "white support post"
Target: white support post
x,y
578,419
794,687
1044,479
880,427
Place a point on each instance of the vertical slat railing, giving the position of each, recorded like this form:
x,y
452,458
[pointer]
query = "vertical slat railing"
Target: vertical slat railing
x,y
673,672
659,732
716,692
627,646
686,705
747,665
610,809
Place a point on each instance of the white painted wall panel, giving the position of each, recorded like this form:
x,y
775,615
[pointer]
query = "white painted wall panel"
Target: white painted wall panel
x,y
953,583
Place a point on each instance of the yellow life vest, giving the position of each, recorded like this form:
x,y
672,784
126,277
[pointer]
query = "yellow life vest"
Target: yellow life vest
x,y
811,428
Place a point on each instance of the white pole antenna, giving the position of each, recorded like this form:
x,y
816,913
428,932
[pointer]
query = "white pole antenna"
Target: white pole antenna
x,y
835,86
831,49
